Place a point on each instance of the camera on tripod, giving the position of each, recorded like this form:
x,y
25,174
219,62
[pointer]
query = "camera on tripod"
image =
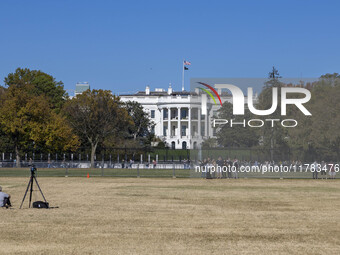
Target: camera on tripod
x,y
37,204
33,169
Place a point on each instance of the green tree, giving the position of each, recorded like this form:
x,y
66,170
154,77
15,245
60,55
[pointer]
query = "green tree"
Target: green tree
x,y
2,90
274,74
6,143
236,136
141,121
273,137
328,79
28,119
318,135
97,116
209,143
38,83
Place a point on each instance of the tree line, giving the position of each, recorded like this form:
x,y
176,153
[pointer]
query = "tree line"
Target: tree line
x,y
37,114
315,137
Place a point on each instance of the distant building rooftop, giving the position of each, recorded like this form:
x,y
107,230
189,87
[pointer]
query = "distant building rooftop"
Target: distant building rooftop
x,y
81,87
160,92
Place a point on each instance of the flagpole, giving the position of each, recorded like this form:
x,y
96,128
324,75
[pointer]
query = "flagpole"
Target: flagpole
x,y
183,75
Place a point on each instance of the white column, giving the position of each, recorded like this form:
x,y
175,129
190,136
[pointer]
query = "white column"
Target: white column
x,y
206,124
199,123
161,123
189,122
179,122
169,124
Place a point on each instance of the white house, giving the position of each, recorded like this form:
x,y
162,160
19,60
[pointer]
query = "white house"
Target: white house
x,y
177,115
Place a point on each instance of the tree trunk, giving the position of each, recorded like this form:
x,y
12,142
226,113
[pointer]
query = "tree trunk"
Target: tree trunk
x,y
136,133
17,156
93,152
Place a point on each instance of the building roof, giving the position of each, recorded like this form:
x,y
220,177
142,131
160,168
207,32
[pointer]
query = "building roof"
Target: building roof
x,y
81,87
161,93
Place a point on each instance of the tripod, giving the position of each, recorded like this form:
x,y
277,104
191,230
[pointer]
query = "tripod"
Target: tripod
x,y
30,186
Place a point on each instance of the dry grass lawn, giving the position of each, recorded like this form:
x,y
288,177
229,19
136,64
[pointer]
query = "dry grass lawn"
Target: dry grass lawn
x,y
174,216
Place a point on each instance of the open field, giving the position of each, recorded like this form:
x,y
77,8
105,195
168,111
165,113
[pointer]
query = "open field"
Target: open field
x,y
173,216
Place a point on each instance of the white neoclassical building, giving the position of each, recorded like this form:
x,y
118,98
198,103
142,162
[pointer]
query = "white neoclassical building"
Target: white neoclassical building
x,y
177,115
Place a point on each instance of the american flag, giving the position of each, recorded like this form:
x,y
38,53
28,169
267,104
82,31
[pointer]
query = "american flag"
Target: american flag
x,y
187,63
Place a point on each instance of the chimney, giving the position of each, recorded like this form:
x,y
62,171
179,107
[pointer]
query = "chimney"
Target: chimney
x,y
147,90
170,89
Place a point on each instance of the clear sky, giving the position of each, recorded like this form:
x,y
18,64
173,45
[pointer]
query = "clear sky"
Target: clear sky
x,y
125,45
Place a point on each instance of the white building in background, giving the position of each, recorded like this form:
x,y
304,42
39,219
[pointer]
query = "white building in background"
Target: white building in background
x,y
81,87
177,115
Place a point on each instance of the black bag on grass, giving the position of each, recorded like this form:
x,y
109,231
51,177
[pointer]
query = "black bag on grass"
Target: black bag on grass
x,y
40,204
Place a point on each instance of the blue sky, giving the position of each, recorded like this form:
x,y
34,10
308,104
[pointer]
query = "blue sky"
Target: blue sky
x,y
125,45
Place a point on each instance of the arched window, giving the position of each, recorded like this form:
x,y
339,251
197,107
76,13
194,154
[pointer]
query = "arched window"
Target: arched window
x,y
184,145
173,144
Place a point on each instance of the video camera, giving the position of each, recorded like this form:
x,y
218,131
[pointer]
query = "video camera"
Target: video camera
x,y
33,169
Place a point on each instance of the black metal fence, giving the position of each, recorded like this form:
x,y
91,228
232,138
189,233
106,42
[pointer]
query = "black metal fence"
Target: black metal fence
x,y
113,155
176,170
112,158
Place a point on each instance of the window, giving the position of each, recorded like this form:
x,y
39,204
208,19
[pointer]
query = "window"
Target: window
x,y
173,145
152,129
184,130
174,114
152,114
184,113
165,114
